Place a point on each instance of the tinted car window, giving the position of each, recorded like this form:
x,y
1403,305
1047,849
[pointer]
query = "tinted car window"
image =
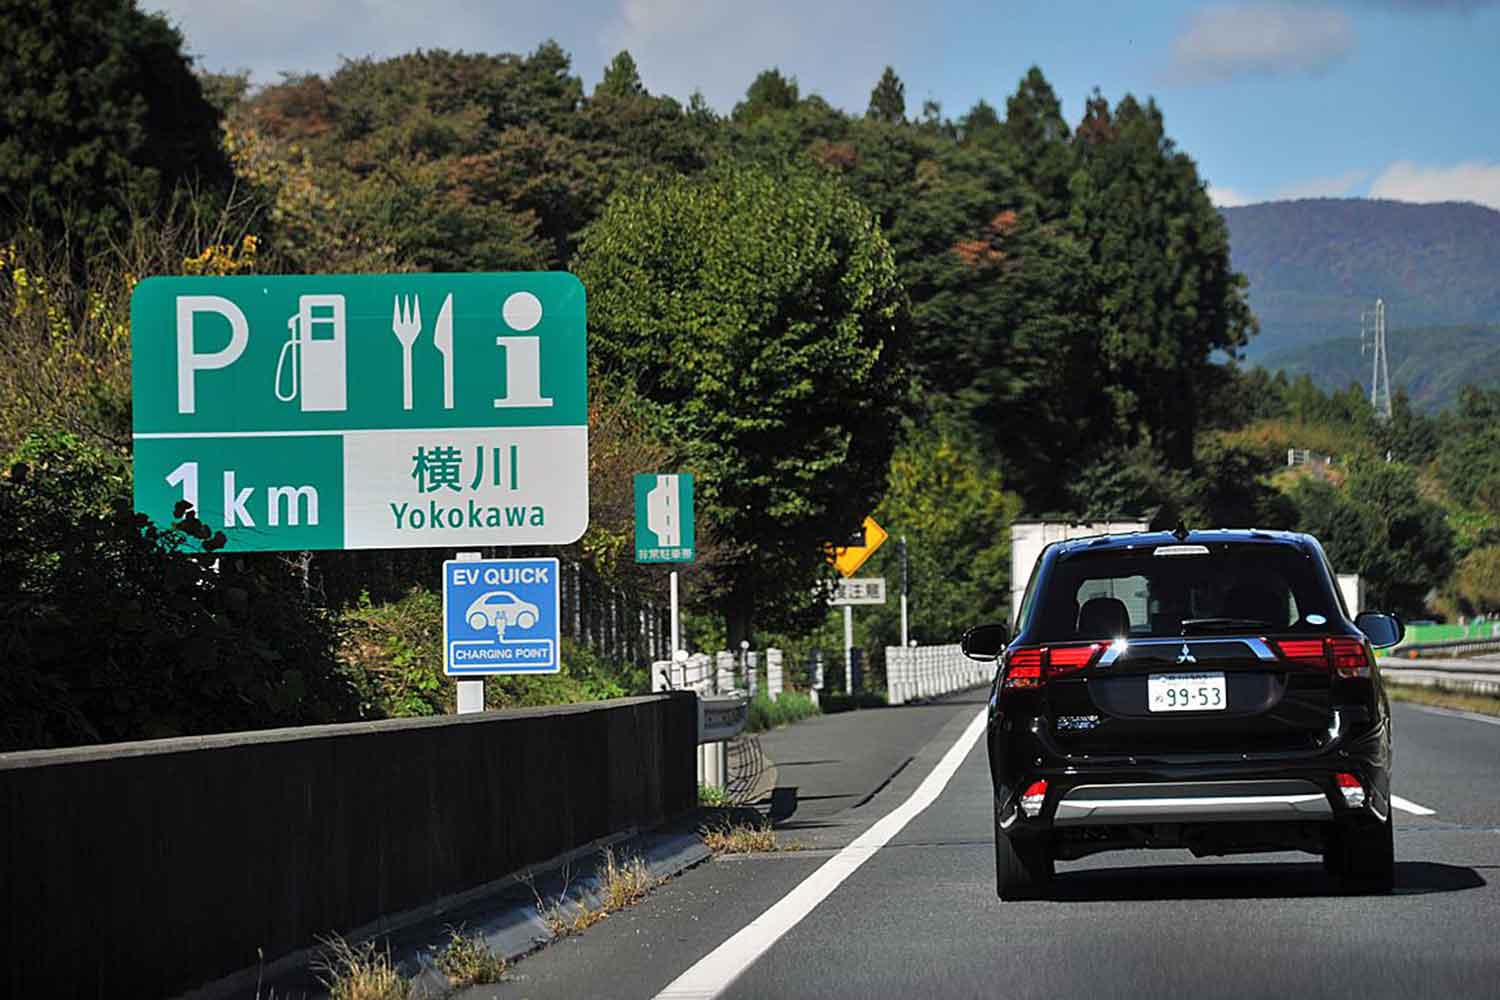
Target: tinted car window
x,y
1136,593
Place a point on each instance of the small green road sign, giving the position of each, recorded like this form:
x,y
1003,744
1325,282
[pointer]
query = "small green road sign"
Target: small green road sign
x,y
364,411
664,518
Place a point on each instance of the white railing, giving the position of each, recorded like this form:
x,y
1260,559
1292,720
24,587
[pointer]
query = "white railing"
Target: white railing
x,y
928,671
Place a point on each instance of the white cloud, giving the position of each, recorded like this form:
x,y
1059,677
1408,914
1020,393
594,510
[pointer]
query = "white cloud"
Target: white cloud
x,y
1407,181
1324,187
1225,197
1265,39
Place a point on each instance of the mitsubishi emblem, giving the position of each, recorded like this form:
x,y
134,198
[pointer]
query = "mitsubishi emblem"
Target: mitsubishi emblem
x,y
1186,656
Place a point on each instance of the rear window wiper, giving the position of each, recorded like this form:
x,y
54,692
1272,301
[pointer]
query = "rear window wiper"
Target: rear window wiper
x,y
1191,625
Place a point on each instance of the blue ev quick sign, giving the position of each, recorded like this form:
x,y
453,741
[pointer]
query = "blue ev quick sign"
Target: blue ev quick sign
x,y
500,616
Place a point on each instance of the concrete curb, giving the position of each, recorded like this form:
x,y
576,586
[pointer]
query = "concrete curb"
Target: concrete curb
x,y
518,930
503,914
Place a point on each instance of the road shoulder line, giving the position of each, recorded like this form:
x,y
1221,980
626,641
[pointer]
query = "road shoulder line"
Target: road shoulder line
x,y
1454,713
713,973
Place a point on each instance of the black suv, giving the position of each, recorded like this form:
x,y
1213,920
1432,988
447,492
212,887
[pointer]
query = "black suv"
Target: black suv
x,y
1203,690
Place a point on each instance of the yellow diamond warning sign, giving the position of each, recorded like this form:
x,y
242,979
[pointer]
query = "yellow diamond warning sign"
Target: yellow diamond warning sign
x,y
848,559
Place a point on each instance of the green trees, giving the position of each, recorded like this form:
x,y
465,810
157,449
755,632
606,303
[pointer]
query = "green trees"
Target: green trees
x,y
1380,527
1163,297
102,115
888,99
760,316
955,512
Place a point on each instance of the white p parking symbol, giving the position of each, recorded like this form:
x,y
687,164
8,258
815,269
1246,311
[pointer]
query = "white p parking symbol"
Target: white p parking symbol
x,y
189,361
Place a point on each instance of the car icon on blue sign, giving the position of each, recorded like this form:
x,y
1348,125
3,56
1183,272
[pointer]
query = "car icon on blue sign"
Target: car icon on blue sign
x,y
500,607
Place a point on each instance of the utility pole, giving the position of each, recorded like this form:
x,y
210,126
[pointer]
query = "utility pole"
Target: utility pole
x,y
1372,322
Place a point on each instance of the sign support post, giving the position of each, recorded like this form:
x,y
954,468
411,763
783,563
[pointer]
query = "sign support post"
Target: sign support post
x,y
470,690
848,649
676,619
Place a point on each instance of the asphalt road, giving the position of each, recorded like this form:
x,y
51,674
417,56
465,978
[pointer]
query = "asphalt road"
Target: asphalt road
x,y
919,916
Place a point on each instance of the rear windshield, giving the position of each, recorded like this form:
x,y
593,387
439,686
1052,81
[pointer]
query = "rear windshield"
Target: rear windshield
x,y
1231,588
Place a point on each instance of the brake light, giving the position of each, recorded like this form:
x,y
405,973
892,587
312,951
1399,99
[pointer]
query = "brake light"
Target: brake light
x,y
1033,798
1343,654
1306,651
1066,659
1028,666
1352,790
1023,668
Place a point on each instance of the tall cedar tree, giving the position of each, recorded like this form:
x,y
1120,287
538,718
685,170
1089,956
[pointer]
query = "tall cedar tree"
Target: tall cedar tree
x,y
888,99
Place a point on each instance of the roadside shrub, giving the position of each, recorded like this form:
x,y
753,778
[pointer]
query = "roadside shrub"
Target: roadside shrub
x,y
792,706
113,629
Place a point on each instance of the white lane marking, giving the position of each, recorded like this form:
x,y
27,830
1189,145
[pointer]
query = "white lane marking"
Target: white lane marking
x,y
1407,805
715,971
1454,713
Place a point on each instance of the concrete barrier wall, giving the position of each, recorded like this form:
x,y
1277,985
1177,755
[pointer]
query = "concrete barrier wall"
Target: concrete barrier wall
x,y
146,869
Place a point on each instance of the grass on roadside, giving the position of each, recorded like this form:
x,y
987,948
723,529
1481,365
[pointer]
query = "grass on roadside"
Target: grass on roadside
x,y
712,796
726,836
623,883
1463,701
789,707
361,972
468,961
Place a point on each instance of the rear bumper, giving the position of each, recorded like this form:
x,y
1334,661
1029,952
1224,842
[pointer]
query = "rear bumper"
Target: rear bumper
x,y
1192,802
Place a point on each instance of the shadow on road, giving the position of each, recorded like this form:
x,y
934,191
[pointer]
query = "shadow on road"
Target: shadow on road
x,y
1245,881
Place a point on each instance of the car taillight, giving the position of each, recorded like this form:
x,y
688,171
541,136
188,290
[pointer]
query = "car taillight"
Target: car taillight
x,y
1352,790
1023,668
1066,659
1308,651
1349,656
1033,798
1028,666
1343,654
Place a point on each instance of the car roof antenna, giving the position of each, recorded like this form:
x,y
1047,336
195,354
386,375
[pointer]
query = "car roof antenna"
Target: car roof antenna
x,y
1181,531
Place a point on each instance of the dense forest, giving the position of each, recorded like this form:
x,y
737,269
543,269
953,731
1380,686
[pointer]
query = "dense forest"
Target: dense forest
x,y
947,319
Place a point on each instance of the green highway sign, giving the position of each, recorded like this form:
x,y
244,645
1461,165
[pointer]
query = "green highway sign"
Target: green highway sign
x,y
664,518
364,411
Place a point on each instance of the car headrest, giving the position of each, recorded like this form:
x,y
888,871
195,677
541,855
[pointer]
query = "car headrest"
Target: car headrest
x,y
1103,618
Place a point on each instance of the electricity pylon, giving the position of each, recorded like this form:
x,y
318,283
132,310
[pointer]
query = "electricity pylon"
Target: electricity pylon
x,y
1372,330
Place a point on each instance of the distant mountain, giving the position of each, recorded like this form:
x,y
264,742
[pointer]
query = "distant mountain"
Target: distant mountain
x,y
1314,264
1431,365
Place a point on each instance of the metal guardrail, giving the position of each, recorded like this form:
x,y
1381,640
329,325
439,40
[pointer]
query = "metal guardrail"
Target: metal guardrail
x,y
1454,647
928,671
1445,680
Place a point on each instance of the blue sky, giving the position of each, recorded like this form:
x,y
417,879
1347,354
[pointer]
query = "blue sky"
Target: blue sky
x,y
1292,98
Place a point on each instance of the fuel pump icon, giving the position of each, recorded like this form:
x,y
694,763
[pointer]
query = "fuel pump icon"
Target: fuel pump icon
x,y
316,335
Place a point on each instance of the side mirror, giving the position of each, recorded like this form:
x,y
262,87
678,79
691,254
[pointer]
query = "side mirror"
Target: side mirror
x,y
985,642
1381,629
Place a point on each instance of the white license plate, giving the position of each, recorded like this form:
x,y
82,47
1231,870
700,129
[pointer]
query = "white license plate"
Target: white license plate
x,y
1186,693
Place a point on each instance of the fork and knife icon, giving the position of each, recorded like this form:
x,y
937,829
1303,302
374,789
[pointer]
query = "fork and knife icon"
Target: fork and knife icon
x,y
406,324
